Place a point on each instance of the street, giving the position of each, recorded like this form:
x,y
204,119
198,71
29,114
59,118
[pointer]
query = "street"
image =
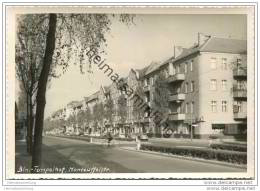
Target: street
x,y
60,152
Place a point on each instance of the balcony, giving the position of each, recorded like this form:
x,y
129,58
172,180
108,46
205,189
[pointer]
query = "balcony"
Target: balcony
x,y
176,116
239,93
146,88
177,97
240,72
176,78
240,115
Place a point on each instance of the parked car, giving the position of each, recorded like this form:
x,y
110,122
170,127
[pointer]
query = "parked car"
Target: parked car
x,y
121,136
143,137
68,133
131,136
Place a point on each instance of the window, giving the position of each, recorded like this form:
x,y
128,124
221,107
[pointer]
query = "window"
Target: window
x,y
170,68
178,69
239,62
178,90
237,106
213,84
224,106
187,108
166,73
192,107
192,86
151,81
186,87
224,85
191,65
224,64
213,63
214,106
241,85
174,70
186,67
178,109
145,82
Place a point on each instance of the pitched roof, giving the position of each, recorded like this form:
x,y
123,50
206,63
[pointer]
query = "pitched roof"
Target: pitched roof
x,y
107,89
72,103
142,71
93,96
223,45
78,104
152,67
214,44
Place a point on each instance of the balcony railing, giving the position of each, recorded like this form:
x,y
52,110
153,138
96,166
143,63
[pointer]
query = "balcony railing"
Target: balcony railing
x,y
240,72
239,93
146,88
176,116
240,115
177,97
176,77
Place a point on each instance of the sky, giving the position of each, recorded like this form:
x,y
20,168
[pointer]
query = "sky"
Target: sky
x,y
151,38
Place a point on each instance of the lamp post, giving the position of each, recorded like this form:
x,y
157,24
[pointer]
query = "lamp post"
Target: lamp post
x,y
201,119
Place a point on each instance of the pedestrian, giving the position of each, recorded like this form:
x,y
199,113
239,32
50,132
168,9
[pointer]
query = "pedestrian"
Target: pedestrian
x,y
109,139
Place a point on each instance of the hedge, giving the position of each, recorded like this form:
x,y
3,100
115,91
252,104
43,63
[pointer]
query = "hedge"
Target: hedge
x,y
240,148
205,153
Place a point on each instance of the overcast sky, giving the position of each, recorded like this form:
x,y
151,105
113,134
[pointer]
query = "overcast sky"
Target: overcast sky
x,y
151,39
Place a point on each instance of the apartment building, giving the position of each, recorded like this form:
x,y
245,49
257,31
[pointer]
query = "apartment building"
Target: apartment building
x,y
208,89
206,93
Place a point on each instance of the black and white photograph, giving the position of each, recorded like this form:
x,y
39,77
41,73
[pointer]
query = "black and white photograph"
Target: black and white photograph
x,y
130,93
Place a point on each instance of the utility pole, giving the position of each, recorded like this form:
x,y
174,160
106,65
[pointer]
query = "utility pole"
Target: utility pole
x,y
191,128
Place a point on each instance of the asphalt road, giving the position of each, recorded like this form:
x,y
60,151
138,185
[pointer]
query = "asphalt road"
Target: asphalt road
x,y
60,152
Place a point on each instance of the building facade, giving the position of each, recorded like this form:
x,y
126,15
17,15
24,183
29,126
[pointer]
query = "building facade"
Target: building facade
x,y
206,93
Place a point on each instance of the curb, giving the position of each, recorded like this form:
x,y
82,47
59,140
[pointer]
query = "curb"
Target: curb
x,y
88,141
187,158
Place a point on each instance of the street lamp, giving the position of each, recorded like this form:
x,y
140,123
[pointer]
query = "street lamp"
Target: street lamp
x,y
196,124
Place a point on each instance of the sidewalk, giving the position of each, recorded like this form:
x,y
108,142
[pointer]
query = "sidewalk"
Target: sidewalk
x,y
22,158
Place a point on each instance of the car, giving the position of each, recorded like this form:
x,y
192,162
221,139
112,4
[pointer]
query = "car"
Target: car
x,y
143,137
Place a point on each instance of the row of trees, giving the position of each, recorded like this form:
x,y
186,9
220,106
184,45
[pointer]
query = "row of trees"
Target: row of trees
x,y
96,117
47,41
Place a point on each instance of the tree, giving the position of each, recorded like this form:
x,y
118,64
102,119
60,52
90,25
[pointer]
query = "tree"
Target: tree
x,y
160,101
72,120
109,110
98,115
29,53
81,119
137,111
122,109
68,38
88,116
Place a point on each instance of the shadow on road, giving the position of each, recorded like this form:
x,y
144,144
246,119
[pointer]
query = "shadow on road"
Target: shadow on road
x,y
80,155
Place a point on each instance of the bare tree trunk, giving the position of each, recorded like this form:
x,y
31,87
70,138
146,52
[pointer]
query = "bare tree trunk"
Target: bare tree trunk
x,y
41,100
27,124
30,125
